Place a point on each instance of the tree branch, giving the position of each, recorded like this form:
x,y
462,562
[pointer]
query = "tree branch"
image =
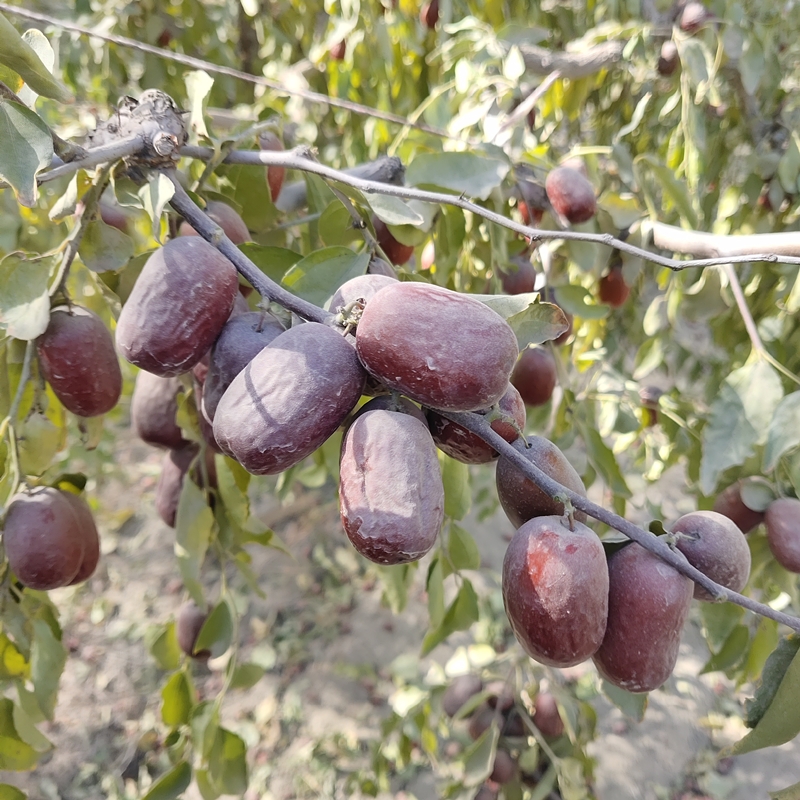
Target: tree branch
x,y
711,245
478,425
571,65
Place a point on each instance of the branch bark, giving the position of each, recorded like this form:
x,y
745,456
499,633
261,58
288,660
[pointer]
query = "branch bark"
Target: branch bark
x,y
711,245
541,61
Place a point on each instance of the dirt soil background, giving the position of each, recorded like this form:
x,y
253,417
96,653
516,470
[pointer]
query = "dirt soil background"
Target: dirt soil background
x,y
331,641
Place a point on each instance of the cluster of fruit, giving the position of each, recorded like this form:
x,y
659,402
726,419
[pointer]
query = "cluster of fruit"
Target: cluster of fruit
x,y
467,700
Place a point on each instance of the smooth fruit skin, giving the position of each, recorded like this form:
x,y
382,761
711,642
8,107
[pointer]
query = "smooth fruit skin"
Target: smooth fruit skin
x,y
546,716
289,399
338,51
429,15
443,349
78,360
648,603
239,342
570,194
504,769
520,277
268,140
713,544
363,287
612,290
459,691
555,590
181,300
397,252
535,376
783,532
226,217
521,498
91,539
391,494
464,446
154,406
729,503
378,266
693,17
191,619
43,539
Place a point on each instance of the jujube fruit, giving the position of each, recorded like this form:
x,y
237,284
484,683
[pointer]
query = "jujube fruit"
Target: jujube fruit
x,y
429,15
500,695
154,406
612,289
714,545
693,17
363,287
114,216
338,51
555,590
91,539
648,603
504,768
521,498
181,300
464,446
519,277
460,690
174,468
390,488
535,375
191,619
546,716
238,343
226,217
43,539
783,532
397,252
570,194
289,399
78,360
378,266
443,349
730,503
268,140
668,59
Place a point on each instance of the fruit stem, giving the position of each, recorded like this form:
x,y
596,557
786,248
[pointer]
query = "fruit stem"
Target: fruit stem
x,y
478,425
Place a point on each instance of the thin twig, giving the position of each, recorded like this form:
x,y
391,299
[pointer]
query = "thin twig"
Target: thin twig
x,y
521,111
212,233
478,425
747,317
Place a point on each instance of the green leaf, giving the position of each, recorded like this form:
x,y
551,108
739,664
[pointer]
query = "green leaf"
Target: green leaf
x,y
780,722
789,793
631,704
752,64
48,657
9,792
719,620
532,321
247,675
604,461
163,646
17,54
39,441
580,302
457,494
155,195
27,150
317,276
274,262
732,652
434,586
784,431
14,753
193,526
217,631
479,756
463,173
393,211
227,762
677,190
205,724
28,732
172,785
764,642
775,669
42,47
740,419
460,615
198,86
396,581
463,551
336,226
104,248
176,701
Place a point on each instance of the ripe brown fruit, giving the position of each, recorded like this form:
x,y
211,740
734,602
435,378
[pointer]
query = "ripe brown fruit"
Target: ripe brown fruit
x,y
459,691
669,59
226,217
649,397
377,266
693,17
783,532
154,406
77,358
570,194
443,349
486,792
563,338
191,619
289,399
390,489
91,539
114,216
174,468
268,140
612,290
461,444
242,338
397,252
363,287
519,278
500,694
43,539
546,716
504,769
182,298
730,504
713,544
535,375
648,604
555,590
429,15
338,51
521,498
